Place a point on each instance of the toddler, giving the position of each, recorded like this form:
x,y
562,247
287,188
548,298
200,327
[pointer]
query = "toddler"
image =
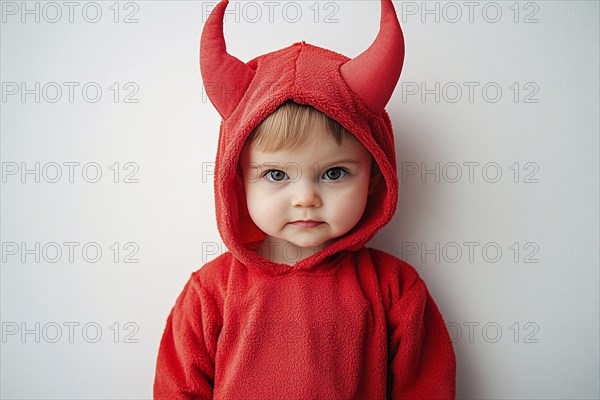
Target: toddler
x,y
305,176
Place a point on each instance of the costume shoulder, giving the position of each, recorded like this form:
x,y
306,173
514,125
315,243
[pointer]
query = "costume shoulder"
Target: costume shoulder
x,y
396,276
422,363
213,275
186,356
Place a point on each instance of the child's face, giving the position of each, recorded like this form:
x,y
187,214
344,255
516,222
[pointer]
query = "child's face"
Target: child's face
x,y
321,182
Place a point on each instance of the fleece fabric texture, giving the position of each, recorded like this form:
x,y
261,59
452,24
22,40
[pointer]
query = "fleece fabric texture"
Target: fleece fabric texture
x,y
348,322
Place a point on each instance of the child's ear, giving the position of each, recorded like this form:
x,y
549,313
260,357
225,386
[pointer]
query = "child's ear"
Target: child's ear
x,y
375,177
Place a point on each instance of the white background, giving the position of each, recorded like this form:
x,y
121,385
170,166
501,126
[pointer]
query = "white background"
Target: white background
x,y
524,321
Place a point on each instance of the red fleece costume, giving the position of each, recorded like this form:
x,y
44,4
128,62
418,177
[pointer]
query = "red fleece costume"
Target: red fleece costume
x,y
348,322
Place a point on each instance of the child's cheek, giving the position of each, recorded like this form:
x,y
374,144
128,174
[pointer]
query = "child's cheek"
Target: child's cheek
x,y
261,198
349,201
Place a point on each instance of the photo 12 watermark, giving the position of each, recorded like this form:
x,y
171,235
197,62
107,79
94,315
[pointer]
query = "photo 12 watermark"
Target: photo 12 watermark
x,y
326,12
470,92
69,252
56,12
69,172
69,332
454,12
494,332
471,252
470,172
69,92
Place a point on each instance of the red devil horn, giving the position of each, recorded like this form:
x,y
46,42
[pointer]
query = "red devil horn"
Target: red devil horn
x,y
374,73
225,77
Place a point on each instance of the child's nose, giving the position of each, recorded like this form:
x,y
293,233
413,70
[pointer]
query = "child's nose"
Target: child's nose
x,y
306,194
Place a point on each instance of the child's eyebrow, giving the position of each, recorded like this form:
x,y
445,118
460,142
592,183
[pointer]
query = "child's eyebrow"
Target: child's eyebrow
x,y
274,164
271,164
348,161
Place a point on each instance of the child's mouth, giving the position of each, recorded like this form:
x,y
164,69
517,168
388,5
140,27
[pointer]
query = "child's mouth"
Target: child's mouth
x,y
306,224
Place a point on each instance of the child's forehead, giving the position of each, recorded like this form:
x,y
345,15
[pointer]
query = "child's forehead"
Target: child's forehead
x,y
323,149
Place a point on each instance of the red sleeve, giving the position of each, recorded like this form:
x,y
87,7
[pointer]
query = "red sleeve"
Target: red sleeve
x,y
422,363
185,364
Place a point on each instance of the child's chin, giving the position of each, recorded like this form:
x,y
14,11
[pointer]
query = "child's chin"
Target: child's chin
x,y
314,245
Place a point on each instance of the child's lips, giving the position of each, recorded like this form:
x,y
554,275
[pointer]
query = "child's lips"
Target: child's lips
x,y
307,224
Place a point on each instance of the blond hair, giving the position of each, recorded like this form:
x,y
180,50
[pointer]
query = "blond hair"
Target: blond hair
x,y
292,125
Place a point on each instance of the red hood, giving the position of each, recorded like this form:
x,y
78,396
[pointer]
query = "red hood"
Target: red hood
x,y
351,91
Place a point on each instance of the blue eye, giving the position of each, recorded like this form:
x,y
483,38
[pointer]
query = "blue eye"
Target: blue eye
x,y
275,175
335,174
